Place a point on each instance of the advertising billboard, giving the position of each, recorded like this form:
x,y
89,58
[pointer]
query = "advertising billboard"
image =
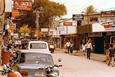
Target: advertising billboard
x,y
77,16
107,14
22,5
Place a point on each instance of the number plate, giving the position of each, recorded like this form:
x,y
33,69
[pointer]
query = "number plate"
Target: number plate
x,y
38,73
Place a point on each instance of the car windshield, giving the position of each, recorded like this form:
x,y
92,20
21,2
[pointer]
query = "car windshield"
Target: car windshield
x,y
35,58
38,46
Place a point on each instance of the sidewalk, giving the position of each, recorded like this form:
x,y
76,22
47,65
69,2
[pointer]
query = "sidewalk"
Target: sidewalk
x,y
94,56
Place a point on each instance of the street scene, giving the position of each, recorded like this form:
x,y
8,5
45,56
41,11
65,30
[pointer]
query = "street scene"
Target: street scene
x,y
57,38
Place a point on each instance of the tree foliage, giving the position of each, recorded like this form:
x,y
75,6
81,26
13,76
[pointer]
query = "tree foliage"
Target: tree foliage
x,y
24,29
50,10
90,9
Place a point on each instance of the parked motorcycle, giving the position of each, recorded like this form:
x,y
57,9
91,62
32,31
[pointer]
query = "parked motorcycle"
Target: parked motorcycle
x,y
9,68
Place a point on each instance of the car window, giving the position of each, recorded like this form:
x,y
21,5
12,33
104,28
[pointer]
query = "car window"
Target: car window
x,y
32,58
38,46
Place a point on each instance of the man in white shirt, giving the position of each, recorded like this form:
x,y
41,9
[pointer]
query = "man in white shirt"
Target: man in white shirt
x,y
89,48
68,46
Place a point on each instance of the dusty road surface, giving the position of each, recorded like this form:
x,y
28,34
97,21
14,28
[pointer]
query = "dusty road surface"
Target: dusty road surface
x,y
76,66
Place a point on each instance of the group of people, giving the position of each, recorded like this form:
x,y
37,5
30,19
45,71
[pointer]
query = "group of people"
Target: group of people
x,y
87,48
69,46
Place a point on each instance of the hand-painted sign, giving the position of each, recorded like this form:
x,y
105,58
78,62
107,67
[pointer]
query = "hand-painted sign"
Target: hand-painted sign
x,y
12,27
107,14
77,17
23,5
15,13
93,19
109,25
67,23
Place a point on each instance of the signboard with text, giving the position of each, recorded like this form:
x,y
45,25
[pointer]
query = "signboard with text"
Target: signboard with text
x,y
15,13
12,27
44,29
22,5
109,25
107,14
77,17
93,19
67,23
60,28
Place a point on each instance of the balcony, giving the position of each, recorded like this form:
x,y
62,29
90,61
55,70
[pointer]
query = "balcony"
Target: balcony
x,y
84,29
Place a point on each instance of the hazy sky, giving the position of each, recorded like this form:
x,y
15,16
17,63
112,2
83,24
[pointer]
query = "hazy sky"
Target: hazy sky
x,y
76,6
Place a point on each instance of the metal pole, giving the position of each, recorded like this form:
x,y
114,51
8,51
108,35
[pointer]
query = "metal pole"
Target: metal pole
x,y
37,23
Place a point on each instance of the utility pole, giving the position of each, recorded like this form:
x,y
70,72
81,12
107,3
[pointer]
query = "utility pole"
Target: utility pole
x,y
37,23
38,11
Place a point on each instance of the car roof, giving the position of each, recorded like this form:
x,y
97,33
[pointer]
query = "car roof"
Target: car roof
x,y
37,42
34,51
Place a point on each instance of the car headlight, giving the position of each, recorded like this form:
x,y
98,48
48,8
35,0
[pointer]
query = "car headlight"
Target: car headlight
x,y
54,74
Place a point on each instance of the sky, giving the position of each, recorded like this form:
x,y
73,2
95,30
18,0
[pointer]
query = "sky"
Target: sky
x,y
77,6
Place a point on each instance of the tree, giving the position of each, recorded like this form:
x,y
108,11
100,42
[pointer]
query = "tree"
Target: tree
x,y
24,29
90,9
50,10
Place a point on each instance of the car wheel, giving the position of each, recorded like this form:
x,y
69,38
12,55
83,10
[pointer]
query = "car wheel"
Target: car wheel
x,y
52,51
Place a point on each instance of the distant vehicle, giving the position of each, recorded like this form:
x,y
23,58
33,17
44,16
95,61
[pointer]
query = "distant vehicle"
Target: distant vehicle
x,y
37,64
24,44
51,47
37,46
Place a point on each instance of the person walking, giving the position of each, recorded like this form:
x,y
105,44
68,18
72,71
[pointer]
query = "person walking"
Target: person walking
x,y
71,47
111,55
89,49
68,46
84,48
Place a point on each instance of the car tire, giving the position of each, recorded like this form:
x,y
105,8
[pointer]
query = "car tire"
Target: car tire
x,y
52,51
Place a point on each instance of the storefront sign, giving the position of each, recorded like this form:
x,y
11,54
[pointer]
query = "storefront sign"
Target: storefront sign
x,y
93,19
15,13
23,5
12,27
77,17
109,25
67,23
60,28
107,14
97,34
44,29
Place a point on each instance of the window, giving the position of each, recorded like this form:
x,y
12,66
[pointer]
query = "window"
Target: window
x,y
38,46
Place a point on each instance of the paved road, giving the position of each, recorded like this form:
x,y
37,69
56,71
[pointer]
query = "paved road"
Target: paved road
x,y
75,66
